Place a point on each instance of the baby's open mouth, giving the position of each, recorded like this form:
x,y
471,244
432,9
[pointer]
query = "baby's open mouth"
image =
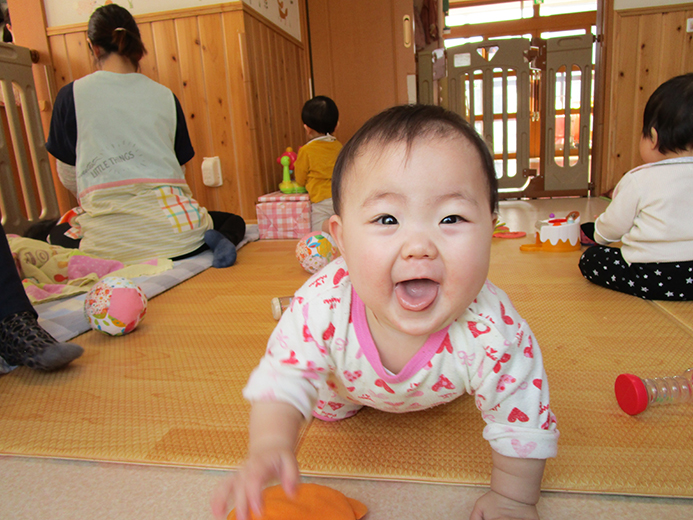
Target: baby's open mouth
x,y
416,295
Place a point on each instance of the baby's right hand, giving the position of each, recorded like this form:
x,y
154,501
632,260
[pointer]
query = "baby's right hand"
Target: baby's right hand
x,y
246,486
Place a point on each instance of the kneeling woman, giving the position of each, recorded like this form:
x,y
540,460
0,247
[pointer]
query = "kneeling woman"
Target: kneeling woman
x,y
121,142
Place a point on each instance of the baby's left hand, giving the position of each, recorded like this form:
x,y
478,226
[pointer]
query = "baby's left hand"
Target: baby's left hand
x,y
493,506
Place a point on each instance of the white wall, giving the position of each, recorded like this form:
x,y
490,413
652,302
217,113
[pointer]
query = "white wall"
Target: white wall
x,y
283,13
620,5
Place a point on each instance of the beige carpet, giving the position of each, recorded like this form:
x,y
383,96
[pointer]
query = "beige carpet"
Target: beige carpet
x,y
169,393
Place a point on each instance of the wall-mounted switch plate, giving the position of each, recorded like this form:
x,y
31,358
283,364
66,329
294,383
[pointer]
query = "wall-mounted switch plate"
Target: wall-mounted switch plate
x,y
211,172
689,25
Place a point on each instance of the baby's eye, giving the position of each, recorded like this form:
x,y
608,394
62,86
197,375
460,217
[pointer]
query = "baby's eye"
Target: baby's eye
x,y
387,220
452,219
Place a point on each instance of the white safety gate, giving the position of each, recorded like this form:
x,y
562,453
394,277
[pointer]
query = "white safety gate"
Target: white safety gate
x,y
493,84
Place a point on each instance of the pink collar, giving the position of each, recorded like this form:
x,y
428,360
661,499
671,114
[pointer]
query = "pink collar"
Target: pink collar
x,y
365,339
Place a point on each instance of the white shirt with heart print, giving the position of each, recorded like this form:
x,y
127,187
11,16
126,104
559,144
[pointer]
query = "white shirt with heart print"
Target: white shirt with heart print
x,y
321,359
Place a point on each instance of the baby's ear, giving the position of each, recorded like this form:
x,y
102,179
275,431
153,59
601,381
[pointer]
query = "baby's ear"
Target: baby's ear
x,y
336,229
494,221
654,138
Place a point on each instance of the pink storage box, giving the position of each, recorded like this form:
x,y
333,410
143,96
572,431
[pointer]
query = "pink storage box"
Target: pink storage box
x,y
283,216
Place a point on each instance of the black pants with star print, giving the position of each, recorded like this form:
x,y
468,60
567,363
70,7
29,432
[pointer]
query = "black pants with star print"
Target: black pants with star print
x,y
605,266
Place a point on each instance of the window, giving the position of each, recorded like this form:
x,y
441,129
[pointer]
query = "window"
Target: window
x,y
451,42
485,12
489,13
554,7
560,34
503,17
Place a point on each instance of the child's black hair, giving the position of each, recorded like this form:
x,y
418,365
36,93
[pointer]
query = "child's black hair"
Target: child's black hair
x,y
670,112
407,123
320,114
113,28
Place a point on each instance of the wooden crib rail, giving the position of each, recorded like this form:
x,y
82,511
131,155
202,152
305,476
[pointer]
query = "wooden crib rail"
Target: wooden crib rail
x,y
37,199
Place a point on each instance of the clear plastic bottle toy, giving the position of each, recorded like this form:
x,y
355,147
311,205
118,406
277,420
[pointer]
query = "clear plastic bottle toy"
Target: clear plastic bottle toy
x,y
634,394
279,305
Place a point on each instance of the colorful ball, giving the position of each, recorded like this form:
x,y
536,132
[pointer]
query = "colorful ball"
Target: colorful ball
x,y
115,306
315,250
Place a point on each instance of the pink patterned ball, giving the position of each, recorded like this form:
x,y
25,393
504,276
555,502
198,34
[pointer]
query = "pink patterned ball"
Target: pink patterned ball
x,y
315,250
115,306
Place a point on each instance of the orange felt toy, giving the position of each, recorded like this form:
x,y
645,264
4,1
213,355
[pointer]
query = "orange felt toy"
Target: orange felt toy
x,y
312,501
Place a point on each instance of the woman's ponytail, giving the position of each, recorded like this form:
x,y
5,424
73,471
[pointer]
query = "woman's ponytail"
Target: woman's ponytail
x,y
128,44
113,28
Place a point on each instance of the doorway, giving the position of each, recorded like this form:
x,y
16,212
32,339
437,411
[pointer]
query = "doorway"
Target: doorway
x,y
522,71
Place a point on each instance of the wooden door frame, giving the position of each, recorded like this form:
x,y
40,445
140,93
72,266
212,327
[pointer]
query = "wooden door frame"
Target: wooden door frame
x,y
602,71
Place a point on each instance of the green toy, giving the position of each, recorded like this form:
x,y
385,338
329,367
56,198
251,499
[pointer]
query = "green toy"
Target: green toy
x,y
287,161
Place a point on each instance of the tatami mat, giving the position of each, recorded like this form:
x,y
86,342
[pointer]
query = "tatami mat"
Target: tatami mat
x,y
169,393
682,312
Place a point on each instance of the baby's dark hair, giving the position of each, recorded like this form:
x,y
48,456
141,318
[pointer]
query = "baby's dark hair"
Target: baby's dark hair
x,y
407,123
113,28
320,114
670,112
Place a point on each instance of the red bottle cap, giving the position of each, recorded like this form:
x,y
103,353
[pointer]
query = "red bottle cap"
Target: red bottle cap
x,y
631,394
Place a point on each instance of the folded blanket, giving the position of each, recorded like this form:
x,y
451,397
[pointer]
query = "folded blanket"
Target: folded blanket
x,y
52,272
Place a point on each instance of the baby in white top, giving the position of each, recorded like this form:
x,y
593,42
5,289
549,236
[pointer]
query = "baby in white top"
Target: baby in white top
x,y
405,319
649,213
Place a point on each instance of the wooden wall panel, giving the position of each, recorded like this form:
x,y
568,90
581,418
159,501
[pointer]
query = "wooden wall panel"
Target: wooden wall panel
x,y
194,102
165,53
673,33
624,114
687,50
148,63
647,47
240,80
78,53
256,52
275,92
243,127
279,75
61,63
270,92
216,93
298,93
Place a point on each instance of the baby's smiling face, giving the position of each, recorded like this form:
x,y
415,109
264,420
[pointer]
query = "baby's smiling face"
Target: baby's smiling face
x,y
415,230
